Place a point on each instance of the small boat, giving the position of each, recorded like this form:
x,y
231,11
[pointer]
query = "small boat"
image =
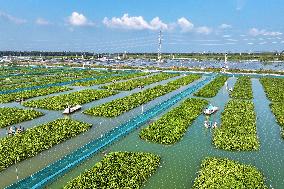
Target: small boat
x,y
72,109
210,110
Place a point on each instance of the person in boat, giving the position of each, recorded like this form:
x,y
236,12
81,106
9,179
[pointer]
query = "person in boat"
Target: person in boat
x,y
206,124
13,129
215,125
19,130
10,133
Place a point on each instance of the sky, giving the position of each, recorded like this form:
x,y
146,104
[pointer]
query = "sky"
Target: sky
x,y
133,25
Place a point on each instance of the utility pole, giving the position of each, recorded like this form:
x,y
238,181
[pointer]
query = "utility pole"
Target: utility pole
x,y
160,47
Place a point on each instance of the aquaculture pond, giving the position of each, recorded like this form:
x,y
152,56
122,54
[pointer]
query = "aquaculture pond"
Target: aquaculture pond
x,y
171,165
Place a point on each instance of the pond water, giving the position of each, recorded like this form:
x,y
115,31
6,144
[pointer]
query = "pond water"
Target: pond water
x,y
180,162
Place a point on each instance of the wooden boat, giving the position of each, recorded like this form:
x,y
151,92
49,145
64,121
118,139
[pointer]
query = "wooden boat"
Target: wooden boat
x,y
210,110
72,109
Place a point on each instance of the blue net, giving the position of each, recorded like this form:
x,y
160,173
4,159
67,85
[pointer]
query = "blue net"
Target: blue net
x,y
61,166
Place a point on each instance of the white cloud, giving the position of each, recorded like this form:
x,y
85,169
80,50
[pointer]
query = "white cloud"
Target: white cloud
x,y
225,26
11,18
226,36
185,24
250,43
203,30
41,21
234,40
157,24
134,22
256,32
262,43
77,19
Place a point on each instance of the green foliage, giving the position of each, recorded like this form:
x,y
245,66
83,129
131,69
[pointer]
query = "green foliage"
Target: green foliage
x,y
278,110
10,116
134,83
224,173
109,79
171,127
38,139
238,127
43,79
242,89
118,170
76,98
4,98
119,106
211,89
274,88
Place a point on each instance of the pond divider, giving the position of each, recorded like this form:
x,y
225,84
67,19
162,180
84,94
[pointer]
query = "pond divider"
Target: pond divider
x,y
61,166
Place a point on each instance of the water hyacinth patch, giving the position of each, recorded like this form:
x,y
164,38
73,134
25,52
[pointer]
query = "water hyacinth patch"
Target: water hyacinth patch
x,y
278,110
121,105
225,173
109,79
238,127
242,89
4,98
134,83
171,127
118,170
35,140
210,90
10,116
76,98
274,88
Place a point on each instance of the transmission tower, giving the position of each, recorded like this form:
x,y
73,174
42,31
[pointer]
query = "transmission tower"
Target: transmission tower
x,y
160,47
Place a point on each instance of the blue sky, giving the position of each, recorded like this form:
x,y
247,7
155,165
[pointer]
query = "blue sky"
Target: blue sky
x,y
133,25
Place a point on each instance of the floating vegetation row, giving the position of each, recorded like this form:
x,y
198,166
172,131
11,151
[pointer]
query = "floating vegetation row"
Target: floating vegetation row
x,y
118,170
121,105
225,173
238,127
10,116
31,81
243,89
210,90
134,83
278,110
33,141
4,98
76,98
274,88
110,79
171,127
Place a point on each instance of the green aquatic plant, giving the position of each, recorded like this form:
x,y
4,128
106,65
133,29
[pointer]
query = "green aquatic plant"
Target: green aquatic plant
x,y
278,110
35,140
224,173
274,88
134,83
242,89
210,90
4,98
118,170
10,116
121,105
76,98
238,127
171,127
112,78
